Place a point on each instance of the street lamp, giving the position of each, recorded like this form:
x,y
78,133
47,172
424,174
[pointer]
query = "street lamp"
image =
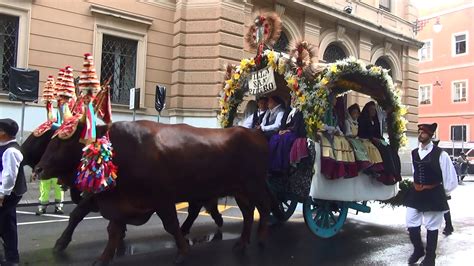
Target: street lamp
x,y
418,25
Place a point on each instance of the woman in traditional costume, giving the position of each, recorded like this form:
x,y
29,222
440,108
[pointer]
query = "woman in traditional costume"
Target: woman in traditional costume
x,y
369,128
360,150
337,158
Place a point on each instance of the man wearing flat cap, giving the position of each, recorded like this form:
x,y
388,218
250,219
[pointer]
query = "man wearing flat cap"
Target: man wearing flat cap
x,y
434,176
12,187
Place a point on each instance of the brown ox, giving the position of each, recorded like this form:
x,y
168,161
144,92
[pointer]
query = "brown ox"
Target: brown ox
x,y
33,149
160,165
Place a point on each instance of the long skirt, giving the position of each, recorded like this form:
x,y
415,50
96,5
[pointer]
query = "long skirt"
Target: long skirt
x,y
360,153
374,156
337,158
391,164
280,147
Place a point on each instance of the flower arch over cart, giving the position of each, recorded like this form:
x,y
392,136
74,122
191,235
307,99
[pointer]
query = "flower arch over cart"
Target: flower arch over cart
x,y
309,86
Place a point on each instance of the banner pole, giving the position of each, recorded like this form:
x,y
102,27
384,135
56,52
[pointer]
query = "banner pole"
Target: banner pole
x,y
23,105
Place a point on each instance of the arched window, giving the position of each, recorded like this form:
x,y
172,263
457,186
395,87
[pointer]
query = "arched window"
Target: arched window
x,y
384,63
333,53
282,44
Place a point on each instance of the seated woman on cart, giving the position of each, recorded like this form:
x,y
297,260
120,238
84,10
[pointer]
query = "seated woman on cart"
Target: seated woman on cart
x,y
369,128
367,156
337,158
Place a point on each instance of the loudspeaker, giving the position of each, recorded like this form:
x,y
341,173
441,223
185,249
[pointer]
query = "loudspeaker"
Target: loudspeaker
x,y
23,84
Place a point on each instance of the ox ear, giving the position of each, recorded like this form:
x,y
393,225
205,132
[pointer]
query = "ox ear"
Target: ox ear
x,y
68,128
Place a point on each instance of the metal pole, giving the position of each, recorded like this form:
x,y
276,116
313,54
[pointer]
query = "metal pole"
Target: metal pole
x,y
452,139
158,117
23,105
462,138
134,112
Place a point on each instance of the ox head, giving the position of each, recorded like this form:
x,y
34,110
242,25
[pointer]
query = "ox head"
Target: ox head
x,y
34,147
61,158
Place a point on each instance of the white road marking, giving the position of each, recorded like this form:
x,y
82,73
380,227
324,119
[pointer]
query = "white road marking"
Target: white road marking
x,y
65,218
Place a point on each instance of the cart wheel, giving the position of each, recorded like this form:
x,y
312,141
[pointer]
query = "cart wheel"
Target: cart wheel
x,y
324,218
286,207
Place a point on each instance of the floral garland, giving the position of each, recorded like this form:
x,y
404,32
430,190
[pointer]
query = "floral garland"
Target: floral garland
x,y
332,80
310,91
235,84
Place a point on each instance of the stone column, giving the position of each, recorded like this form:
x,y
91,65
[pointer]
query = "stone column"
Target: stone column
x,y
410,85
312,32
207,35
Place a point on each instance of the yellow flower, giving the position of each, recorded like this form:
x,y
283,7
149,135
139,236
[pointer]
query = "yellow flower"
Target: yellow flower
x,y
236,76
324,81
271,59
333,69
291,82
403,111
376,69
319,125
252,62
302,98
244,65
281,66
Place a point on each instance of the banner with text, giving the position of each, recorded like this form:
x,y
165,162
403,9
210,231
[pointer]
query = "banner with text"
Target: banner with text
x,y
262,81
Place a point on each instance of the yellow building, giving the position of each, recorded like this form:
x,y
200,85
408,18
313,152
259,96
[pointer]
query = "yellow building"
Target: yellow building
x,y
184,45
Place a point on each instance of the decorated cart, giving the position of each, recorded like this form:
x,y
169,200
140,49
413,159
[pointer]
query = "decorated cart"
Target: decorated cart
x,y
308,86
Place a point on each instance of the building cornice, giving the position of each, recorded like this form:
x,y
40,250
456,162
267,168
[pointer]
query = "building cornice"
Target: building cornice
x,y
358,22
122,14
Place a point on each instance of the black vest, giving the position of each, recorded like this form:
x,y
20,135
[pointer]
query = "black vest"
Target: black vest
x,y
257,119
20,183
428,170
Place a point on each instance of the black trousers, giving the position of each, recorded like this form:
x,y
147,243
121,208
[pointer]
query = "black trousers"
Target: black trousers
x,y
8,227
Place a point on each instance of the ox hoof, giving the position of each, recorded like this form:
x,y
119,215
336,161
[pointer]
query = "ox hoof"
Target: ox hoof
x,y
60,245
100,263
179,258
239,247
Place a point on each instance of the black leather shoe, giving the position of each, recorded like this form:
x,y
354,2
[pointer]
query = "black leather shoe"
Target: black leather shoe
x,y
415,256
447,231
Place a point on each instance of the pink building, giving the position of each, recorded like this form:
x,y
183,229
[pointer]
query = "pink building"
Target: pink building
x,y
446,71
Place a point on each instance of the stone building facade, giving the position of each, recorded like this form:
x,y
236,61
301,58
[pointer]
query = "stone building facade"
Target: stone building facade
x,y
184,45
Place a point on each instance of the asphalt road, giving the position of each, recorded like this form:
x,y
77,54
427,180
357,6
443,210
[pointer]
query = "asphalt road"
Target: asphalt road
x,y
376,238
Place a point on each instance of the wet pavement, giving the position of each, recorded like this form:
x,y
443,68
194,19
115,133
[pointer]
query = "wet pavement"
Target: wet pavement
x,y
376,238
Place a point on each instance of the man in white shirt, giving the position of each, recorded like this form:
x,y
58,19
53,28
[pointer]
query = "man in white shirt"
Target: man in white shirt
x,y
254,120
271,122
12,187
434,177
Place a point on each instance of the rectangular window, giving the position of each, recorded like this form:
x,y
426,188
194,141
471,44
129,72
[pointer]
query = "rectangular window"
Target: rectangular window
x,y
458,133
459,91
385,5
8,48
425,53
460,44
424,94
119,59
